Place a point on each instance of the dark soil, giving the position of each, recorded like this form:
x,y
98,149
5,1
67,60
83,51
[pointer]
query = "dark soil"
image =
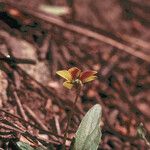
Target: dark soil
x,y
111,37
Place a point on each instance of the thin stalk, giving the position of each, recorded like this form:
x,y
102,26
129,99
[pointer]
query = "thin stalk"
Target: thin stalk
x,y
70,116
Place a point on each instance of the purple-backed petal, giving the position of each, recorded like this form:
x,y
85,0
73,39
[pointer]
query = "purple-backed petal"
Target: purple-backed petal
x,y
86,74
75,72
91,78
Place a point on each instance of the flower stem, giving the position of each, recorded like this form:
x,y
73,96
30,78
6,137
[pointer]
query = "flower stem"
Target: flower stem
x,y
70,117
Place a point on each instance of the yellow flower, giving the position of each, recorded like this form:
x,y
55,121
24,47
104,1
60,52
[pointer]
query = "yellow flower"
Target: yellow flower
x,y
74,76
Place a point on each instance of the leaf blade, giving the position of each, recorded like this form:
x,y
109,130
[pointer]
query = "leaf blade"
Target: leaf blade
x,y
89,125
24,146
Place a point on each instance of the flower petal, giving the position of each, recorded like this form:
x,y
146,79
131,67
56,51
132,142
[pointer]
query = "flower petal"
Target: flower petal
x,y
86,74
91,78
68,85
75,72
64,74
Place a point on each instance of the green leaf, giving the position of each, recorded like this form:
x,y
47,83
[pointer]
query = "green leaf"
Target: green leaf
x,y
24,146
88,135
54,10
93,140
50,147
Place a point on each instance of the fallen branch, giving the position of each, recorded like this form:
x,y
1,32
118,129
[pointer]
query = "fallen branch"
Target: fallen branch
x,y
36,119
20,107
31,124
79,30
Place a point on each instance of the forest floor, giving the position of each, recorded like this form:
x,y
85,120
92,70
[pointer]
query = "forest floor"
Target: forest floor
x,y
111,37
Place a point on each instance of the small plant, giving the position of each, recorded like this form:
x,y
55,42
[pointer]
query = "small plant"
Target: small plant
x,y
74,77
89,134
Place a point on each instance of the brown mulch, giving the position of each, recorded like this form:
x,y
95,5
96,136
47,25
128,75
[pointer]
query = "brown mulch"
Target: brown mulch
x,y
33,103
